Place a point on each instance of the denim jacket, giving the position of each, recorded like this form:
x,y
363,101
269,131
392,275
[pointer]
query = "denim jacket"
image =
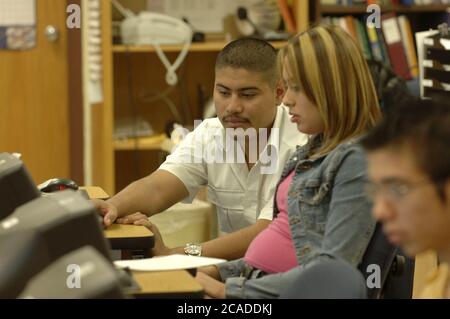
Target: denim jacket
x,y
329,216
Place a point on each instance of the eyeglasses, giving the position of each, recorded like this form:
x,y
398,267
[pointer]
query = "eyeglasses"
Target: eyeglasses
x,y
393,190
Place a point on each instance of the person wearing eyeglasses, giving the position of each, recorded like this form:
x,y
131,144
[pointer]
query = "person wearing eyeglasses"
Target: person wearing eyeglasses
x,y
409,171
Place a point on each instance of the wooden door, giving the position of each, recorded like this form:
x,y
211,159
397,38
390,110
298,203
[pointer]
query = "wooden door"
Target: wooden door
x,y
34,112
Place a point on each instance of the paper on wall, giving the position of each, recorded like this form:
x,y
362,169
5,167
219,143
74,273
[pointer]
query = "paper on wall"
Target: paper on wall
x,y
17,24
17,12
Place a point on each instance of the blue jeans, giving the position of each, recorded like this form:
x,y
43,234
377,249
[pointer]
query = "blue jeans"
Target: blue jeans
x,y
239,268
259,286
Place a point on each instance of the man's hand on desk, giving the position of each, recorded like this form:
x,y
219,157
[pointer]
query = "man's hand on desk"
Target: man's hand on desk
x,y
140,219
107,210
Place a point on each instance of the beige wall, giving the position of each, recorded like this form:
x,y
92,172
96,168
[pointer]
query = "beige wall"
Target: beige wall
x,y
187,223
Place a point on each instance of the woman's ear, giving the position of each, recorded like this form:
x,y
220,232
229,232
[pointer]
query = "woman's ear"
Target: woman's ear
x,y
279,92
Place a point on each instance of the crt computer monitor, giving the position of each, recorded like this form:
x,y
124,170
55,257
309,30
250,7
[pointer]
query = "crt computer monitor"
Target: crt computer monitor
x,y
16,185
63,222
81,274
23,254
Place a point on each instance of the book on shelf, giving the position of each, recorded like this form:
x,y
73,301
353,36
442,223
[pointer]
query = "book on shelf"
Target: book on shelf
x,y
287,15
362,38
393,44
350,26
375,44
408,44
384,47
344,2
381,2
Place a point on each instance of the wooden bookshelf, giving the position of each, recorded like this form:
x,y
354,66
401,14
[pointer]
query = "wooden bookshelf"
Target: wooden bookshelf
x,y
155,142
340,9
409,20
215,46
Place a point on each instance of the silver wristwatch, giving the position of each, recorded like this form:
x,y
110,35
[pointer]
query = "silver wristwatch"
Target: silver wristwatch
x,y
193,249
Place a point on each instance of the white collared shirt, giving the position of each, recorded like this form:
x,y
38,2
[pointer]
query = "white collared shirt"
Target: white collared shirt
x,y
241,196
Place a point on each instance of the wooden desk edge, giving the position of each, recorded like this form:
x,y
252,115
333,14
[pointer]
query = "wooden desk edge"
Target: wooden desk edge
x,y
127,231
129,237
95,192
172,279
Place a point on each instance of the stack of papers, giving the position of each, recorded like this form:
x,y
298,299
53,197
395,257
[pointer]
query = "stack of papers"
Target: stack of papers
x,y
171,262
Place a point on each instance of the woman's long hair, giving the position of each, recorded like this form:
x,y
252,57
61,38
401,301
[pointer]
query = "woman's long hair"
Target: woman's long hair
x,y
329,67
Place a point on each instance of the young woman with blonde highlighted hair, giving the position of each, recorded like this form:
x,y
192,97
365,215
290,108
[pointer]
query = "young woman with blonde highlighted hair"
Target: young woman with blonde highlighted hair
x,y
325,66
320,210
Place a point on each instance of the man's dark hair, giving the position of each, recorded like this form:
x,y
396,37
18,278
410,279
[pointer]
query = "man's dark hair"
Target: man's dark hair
x,y
251,54
424,127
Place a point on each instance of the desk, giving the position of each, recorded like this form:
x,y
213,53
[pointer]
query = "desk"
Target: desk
x,y
161,284
129,237
123,237
95,192
167,284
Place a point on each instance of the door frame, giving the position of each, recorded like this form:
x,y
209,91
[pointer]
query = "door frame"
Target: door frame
x,y
75,91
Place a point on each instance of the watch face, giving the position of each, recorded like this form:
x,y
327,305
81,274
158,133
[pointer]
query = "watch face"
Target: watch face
x,y
193,249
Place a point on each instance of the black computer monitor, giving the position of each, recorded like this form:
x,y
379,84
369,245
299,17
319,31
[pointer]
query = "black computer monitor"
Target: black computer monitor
x,y
81,274
16,185
45,229
65,221
23,254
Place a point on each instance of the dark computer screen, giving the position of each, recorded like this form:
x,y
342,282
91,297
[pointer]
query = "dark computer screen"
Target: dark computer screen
x,y
65,221
23,255
16,185
85,269
39,232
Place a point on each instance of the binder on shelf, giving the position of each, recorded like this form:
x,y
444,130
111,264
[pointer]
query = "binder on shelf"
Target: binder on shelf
x,y
384,49
408,44
350,26
393,38
375,43
287,15
362,38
